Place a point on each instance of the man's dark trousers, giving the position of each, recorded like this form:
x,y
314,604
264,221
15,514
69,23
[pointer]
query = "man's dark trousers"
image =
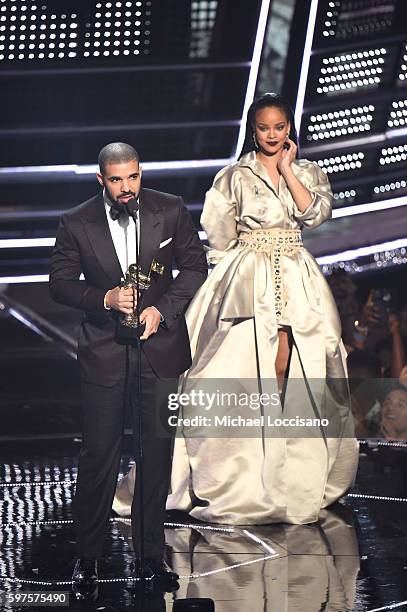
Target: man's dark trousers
x,y
104,415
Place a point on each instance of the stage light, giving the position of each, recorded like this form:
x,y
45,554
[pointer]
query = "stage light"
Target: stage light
x,y
398,114
393,155
125,39
203,16
351,71
345,197
59,26
395,186
342,163
50,26
340,123
403,67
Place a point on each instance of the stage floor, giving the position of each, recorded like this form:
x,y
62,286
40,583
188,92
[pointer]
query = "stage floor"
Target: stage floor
x,y
354,558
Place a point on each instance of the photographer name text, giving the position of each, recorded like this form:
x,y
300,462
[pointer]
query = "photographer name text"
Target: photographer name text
x,y
199,421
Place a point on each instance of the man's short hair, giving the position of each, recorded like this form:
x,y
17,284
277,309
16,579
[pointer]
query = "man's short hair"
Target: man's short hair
x,y
116,153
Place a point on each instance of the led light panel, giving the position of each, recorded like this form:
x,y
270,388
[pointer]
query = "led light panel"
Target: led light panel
x,y
203,16
344,198
343,123
403,67
351,72
395,187
37,31
28,31
398,114
393,155
352,20
342,163
352,120
119,28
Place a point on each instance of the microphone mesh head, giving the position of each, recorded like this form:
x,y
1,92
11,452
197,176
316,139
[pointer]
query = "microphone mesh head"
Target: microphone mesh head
x,y
132,207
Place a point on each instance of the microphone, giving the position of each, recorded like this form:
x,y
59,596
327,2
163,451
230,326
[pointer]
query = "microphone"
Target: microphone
x,y
132,208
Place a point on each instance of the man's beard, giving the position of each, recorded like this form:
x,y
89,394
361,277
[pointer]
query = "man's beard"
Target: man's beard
x,y
119,200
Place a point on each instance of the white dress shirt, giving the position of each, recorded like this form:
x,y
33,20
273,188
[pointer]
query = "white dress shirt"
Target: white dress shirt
x,y
123,232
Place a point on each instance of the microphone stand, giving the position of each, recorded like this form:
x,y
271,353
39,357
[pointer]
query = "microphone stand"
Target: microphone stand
x,y
132,211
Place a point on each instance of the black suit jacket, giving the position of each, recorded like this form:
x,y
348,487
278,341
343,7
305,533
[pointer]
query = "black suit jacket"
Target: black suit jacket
x,y
84,245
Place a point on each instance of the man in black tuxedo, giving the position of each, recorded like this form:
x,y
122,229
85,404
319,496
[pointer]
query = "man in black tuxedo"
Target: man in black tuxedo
x,y
97,238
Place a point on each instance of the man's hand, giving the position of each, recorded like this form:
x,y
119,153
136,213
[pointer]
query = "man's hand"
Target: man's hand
x,y
151,317
121,299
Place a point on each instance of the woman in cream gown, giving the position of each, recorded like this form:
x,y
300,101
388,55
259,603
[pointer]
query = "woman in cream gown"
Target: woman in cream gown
x,y
265,315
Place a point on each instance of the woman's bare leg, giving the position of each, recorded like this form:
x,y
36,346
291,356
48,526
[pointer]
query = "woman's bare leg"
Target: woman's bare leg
x,y
285,344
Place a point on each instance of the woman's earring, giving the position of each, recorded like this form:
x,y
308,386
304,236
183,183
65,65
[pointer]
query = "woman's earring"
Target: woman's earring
x,y
256,144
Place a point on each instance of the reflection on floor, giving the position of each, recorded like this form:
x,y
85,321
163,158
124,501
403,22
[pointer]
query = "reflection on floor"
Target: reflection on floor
x,y
354,559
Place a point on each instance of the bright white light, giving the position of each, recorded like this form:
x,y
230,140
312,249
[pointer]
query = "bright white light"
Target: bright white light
x,y
358,209
20,243
254,69
396,133
20,317
166,165
306,58
348,120
18,280
347,69
91,169
352,254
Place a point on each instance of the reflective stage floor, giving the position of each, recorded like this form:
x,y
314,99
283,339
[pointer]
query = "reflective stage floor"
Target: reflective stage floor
x,y
354,558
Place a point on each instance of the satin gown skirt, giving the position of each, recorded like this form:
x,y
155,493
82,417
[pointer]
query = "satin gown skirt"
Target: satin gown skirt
x,y
267,477
233,322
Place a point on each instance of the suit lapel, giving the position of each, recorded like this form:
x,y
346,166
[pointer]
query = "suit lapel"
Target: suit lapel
x,y
151,229
98,232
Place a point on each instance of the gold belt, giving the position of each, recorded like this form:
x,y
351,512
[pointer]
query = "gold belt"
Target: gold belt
x,y
275,242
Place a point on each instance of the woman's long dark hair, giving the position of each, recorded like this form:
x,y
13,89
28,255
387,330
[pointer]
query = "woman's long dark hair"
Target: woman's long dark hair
x,y
265,101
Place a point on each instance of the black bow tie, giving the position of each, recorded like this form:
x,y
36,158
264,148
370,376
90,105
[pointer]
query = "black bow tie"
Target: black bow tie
x,y
116,211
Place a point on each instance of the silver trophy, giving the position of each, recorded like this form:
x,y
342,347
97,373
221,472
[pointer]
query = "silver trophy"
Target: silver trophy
x,y
134,277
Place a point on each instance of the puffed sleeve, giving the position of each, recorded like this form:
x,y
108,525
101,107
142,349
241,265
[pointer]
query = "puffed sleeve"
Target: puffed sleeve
x,y
320,209
219,215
